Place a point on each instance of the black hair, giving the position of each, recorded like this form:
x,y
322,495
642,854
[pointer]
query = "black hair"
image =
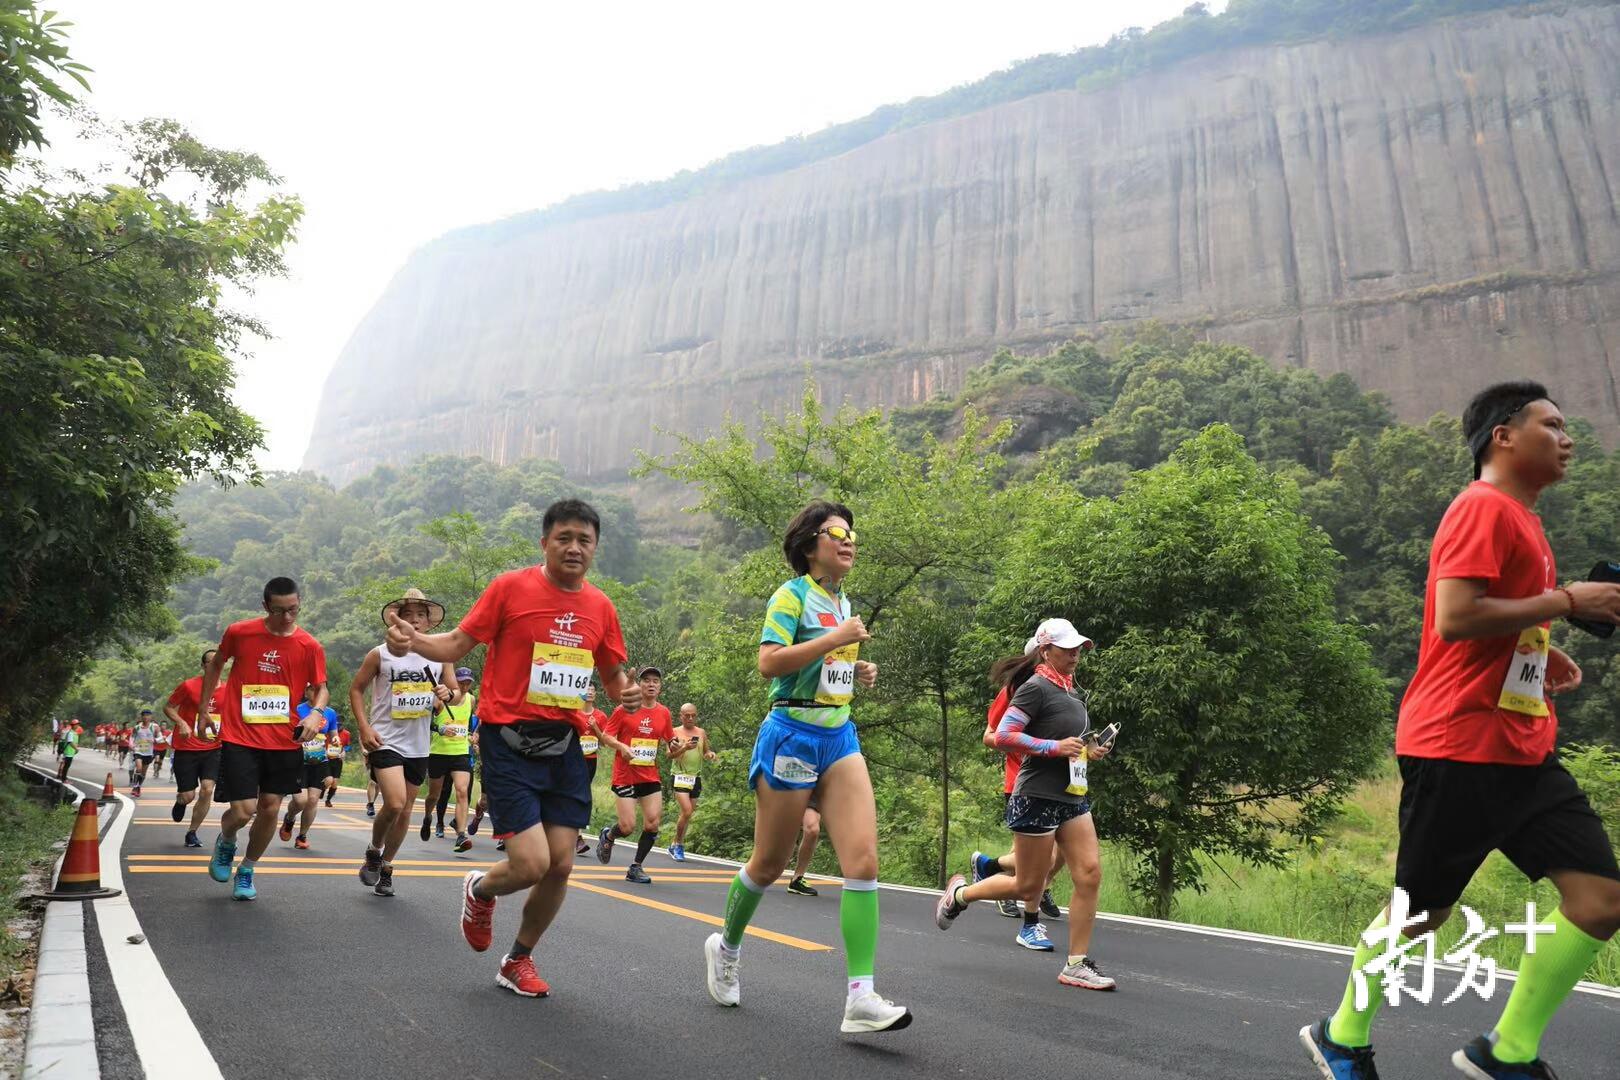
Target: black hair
x,y
280,586
1014,671
800,539
571,510
1493,406
206,654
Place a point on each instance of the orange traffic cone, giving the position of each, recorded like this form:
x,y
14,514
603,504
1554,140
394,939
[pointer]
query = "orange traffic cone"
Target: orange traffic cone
x,y
107,795
80,877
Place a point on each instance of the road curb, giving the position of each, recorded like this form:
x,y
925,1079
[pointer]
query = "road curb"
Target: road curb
x,y
61,1026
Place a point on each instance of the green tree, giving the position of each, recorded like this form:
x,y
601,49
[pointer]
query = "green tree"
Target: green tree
x,y
1248,709
33,57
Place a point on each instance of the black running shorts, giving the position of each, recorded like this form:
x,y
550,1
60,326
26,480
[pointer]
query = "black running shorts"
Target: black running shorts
x,y
191,766
1454,813
315,773
638,791
246,772
415,767
442,765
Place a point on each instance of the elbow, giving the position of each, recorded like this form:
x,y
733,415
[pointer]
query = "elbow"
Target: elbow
x,y
1449,628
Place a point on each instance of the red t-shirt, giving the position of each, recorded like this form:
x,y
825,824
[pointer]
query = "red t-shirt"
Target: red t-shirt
x,y
1482,701
643,729
343,737
601,721
125,735
542,641
1014,761
184,700
269,678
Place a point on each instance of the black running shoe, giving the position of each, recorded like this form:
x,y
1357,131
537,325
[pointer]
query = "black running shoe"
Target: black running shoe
x,y
798,887
1049,906
372,870
604,844
178,812
427,828
637,875
385,880
1478,1061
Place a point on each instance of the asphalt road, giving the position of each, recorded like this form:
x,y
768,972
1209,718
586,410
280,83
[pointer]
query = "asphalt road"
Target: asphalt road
x,y
319,978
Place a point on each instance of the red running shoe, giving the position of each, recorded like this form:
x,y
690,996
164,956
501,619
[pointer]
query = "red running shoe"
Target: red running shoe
x,y
476,919
302,843
520,977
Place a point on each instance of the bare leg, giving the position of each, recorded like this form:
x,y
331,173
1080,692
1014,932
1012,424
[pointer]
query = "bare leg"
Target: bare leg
x,y
1078,839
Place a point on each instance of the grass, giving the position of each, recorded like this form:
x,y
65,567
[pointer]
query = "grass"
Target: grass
x,y
26,844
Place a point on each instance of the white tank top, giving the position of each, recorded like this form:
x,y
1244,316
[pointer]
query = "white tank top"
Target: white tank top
x,y
402,701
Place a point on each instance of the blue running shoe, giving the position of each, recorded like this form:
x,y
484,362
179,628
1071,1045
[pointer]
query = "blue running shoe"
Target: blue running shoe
x,y
1334,1061
243,889
677,852
1477,1061
984,866
192,841
1034,937
219,867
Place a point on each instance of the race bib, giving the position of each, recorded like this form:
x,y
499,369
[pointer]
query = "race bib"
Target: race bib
x,y
211,733
644,753
559,676
412,700
685,781
1523,689
263,704
793,770
588,745
1077,775
837,685
334,751
315,749
453,729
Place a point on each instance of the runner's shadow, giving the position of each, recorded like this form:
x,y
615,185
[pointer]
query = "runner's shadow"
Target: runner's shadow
x,y
887,1053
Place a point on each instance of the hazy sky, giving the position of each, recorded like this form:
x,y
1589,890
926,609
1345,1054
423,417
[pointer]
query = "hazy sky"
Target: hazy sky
x,y
398,122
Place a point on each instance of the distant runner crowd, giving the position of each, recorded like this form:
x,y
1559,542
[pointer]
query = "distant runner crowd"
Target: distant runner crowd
x,y
1475,742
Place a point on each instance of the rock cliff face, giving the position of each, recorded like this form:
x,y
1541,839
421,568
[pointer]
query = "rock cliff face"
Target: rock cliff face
x,y
1426,211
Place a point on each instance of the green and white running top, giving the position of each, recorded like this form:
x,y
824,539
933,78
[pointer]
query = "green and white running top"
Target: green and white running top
x,y
802,610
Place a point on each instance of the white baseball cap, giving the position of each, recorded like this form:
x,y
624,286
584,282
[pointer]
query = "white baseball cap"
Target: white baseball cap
x,y
1059,632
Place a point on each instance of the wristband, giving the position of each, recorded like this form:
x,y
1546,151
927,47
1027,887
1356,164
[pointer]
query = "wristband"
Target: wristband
x,y
1570,597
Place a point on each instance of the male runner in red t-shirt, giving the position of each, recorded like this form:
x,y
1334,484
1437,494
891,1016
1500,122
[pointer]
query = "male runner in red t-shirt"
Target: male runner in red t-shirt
x,y
589,744
635,736
547,628
196,750
261,760
1475,742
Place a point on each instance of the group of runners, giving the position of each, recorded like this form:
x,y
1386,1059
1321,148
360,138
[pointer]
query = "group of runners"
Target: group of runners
x,y
1475,742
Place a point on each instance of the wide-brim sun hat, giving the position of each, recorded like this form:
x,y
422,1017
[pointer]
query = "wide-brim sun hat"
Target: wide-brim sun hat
x,y
1059,632
415,596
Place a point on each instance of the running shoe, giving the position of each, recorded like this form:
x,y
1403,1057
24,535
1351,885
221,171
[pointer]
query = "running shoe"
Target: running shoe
x,y
329,799
219,867
385,880
720,971
372,869
1085,974
947,909
477,820
1049,906
285,832
178,811
677,852
1010,909
520,977
243,889
798,887
191,839
135,792
301,842
438,830
371,809
500,845
604,844
984,866
869,1012
1033,936
477,916
427,828
1337,1062
582,846
463,843
637,875
1476,1060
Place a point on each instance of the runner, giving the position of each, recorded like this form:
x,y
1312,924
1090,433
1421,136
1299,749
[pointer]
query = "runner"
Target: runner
x,y
688,750
337,744
407,691
1476,739
634,736
809,837
315,774
260,761
142,740
450,754
101,737
807,744
1051,805
546,628
595,719
124,734
68,747
196,750
160,749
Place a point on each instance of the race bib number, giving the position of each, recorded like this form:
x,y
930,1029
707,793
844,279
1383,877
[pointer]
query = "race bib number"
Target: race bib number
x,y
1077,775
644,753
334,751
412,700
588,745
315,749
559,676
1523,689
685,781
211,732
453,729
266,704
793,770
837,685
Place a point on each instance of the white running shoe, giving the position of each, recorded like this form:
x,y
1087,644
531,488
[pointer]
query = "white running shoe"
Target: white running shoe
x,y
869,1012
721,973
1086,975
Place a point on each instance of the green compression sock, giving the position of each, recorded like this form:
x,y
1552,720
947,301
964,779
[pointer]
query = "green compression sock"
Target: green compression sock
x,y
1545,980
741,902
1351,1026
858,918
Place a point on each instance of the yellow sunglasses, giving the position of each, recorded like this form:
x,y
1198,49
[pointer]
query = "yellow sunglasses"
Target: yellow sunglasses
x,y
838,532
